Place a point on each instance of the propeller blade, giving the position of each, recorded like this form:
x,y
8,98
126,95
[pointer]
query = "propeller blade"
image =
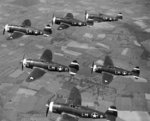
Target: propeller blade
x,y
53,19
86,15
47,110
22,66
92,67
3,31
47,104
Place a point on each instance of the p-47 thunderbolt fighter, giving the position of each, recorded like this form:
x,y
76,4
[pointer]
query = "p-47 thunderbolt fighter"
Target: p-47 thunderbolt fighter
x,y
102,17
69,20
45,63
72,109
25,28
108,70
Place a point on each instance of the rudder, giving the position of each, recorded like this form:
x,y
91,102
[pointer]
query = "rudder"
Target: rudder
x,y
111,113
48,29
74,67
119,16
136,71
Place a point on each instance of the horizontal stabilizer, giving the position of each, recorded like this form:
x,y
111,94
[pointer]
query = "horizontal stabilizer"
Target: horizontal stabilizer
x,y
136,71
90,22
74,67
111,113
119,16
48,29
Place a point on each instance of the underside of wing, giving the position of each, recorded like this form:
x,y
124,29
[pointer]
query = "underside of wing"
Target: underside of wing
x,y
15,35
69,15
108,61
107,78
66,117
47,55
74,97
26,23
63,26
101,15
35,74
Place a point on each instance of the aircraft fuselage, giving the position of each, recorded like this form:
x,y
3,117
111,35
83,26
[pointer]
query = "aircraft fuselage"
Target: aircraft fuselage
x,y
113,70
78,111
29,63
102,18
69,21
25,30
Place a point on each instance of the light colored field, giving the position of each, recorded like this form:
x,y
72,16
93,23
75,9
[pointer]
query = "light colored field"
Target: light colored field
x,y
16,73
125,51
67,51
147,96
141,24
134,115
79,45
103,45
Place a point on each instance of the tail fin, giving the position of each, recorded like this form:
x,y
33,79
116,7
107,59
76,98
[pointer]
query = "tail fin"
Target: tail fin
x,y
136,71
111,113
93,68
48,29
119,16
74,67
26,23
90,22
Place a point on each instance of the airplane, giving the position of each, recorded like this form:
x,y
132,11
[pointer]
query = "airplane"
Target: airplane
x,y
73,110
69,20
45,63
102,17
108,70
17,31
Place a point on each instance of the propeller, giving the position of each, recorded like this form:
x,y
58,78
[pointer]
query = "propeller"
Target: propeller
x,y
86,15
23,62
92,67
3,31
48,104
53,19
5,28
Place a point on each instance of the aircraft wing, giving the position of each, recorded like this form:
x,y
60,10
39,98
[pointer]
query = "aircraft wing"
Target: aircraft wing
x,y
74,97
26,23
35,74
63,26
66,117
47,55
107,78
15,35
69,15
108,61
